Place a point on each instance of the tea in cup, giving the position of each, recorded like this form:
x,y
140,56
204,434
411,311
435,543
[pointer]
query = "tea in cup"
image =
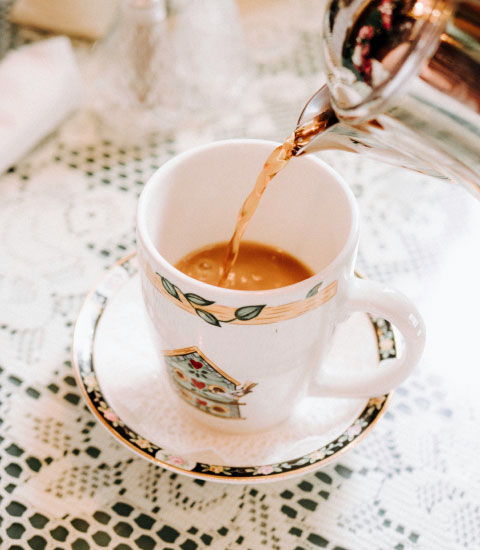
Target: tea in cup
x,y
242,356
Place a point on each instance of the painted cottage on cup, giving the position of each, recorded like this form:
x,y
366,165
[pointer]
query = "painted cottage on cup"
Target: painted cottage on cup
x,y
203,385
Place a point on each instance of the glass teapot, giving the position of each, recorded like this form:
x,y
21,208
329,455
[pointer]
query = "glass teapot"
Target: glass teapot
x,y
403,86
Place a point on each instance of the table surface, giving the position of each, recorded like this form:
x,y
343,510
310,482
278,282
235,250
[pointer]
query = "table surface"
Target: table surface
x,y
67,214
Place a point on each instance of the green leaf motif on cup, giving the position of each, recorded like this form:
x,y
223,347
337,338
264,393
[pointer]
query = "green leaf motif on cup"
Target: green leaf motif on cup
x,y
314,290
169,287
246,313
197,300
216,314
208,317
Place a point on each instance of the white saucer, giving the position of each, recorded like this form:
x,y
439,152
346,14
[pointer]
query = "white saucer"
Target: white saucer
x,y
125,386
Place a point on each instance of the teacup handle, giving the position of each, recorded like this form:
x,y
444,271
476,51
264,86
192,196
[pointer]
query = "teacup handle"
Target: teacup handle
x,y
380,301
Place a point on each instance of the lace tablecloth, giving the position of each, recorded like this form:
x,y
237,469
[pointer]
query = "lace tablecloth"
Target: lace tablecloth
x,y
67,213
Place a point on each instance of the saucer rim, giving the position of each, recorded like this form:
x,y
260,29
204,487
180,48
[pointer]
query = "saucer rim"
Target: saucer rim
x,y
251,474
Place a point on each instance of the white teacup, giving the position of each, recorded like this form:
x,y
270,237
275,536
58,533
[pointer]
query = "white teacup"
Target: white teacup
x,y
248,375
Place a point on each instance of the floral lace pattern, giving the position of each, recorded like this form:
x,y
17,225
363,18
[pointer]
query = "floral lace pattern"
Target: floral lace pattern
x,y
67,213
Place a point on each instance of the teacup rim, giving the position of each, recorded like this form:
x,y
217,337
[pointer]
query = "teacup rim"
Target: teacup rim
x,y
159,259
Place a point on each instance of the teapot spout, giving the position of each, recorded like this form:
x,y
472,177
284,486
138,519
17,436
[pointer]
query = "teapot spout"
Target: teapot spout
x,y
319,129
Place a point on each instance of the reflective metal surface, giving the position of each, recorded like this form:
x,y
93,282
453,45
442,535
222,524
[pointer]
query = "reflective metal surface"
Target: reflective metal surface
x,y
403,86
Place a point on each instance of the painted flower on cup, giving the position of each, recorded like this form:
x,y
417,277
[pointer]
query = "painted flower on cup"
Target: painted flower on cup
x,y
175,460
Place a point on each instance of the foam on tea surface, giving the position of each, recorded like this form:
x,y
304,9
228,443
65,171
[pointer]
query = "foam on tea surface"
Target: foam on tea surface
x,y
257,267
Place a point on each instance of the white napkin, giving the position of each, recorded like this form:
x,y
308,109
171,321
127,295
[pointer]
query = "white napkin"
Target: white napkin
x,y
84,18
40,85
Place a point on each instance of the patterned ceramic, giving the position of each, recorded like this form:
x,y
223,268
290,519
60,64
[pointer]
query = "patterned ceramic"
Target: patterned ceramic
x,y
85,367
276,339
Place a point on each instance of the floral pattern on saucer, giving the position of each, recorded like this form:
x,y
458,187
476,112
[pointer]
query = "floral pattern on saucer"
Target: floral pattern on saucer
x,y
84,338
